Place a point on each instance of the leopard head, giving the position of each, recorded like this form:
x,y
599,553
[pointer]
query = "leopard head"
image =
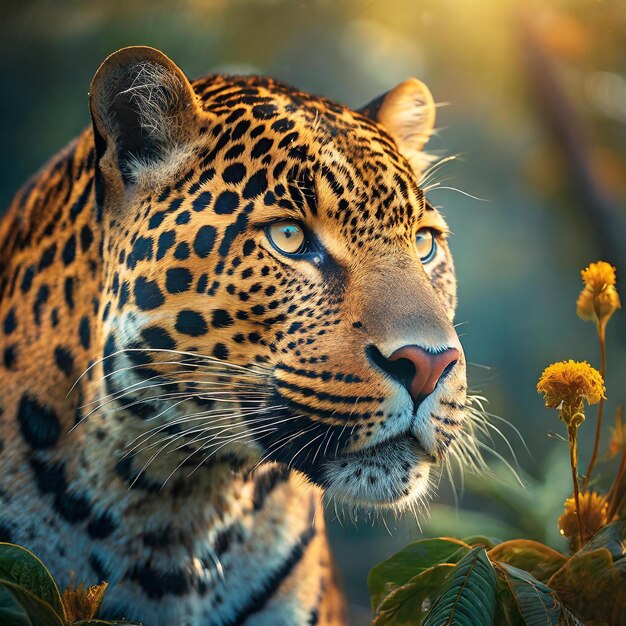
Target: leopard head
x,y
279,289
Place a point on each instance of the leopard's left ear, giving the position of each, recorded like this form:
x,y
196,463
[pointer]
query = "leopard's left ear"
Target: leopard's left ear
x,y
143,110
407,113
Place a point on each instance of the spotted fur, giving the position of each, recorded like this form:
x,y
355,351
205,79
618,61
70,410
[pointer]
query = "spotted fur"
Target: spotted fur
x,y
176,394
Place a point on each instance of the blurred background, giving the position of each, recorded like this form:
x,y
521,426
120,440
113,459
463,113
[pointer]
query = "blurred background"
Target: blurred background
x,y
533,104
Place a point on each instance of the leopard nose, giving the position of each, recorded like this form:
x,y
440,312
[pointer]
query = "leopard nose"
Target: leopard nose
x,y
422,369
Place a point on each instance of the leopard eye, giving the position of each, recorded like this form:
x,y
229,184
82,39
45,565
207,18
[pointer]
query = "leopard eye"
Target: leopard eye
x,y
426,245
287,236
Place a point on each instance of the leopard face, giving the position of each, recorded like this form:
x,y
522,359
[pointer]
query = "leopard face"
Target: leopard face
x,y
278,288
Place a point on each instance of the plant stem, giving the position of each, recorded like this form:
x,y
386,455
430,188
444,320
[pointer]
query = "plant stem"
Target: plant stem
x,y
614,493
572,432
594,456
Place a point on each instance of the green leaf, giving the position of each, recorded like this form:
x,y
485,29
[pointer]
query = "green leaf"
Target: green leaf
x,y
481,540
11,612
20,566
591,586
469,596
611,537
410,561
537,603
531,556
39,612
507,611
407,605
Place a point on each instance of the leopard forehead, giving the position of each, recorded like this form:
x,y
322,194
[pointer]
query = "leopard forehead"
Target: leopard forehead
x,y
267,150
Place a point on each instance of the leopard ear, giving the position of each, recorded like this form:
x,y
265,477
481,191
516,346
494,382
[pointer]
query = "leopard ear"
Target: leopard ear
x,y
142,108
407,113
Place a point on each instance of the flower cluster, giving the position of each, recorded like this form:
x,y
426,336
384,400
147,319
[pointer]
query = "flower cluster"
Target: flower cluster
x,y
567,384
599,299
593,513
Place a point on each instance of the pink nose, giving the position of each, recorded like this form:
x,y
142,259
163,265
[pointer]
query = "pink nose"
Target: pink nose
x,y
429,368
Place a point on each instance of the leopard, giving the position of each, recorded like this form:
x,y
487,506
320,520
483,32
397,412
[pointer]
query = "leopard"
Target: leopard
x,y
225,304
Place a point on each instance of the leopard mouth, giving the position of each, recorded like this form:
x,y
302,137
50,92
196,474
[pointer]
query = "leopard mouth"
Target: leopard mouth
x,y
383,447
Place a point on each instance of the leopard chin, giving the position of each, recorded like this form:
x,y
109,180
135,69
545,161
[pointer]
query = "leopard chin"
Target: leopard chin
x,y
390,475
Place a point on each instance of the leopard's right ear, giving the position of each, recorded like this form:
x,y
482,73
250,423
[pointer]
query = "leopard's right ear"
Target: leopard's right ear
x,y
142,108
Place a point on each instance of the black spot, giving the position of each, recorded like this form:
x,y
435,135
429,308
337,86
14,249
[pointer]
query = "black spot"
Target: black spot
x,y
81,201
124,294
261,147
68,291
142,250
282,125
226,203
160,538
98,567
73,507
49,476
248,247
42,297
39,425
10,322
101,526
69,250
288,139
190,323
9,357
158,338
177,279
234,173
240,129
265,111
182,251
183,217
166,241
156,220
203,283
202,201
157,584
220,351
86,238
84,333
256,185
64,360
234,152
221,319
27,279
47,257
204,241
148,296
54,317
232,230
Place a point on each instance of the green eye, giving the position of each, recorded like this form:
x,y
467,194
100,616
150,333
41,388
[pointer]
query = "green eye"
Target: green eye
x,y
287,236
426,245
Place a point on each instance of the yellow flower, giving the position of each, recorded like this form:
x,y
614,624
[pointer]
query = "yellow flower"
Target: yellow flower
x,y
567,384
599,299
593,515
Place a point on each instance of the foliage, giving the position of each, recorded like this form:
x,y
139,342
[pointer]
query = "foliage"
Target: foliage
x,y
30,597
447,581
482,580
